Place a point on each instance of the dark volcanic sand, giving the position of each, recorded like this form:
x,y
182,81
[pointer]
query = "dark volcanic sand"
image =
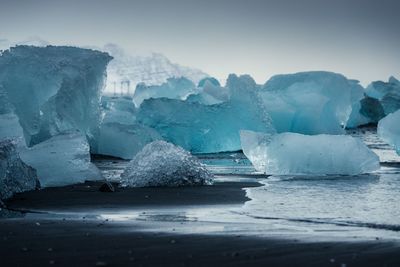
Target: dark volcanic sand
x,y
42,239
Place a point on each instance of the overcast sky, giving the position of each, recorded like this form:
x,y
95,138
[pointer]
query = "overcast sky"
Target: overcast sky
x,y
359,38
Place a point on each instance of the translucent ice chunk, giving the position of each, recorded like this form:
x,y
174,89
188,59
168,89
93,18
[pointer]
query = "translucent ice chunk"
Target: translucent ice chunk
x,y
174,88
389,130
164,164
208,128
62,160
292,153
310,102
119,134
53,89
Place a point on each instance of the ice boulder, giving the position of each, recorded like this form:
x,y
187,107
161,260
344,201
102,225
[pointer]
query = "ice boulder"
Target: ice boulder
x,y
389,130
173,88
164,164
119,109
119,134
53,89
210,92
15,175
297,154
310,102
388,93
379,89
62,160
208,128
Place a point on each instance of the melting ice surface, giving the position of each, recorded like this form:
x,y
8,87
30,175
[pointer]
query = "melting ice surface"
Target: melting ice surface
x,y
292,153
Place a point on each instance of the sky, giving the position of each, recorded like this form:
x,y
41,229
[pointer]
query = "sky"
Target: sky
x,y
358,38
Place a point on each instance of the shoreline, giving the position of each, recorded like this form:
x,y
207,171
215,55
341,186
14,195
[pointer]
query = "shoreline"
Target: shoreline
x,y
52,237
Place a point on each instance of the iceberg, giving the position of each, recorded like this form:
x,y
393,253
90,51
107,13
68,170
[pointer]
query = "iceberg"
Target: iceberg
x,y
15,175
53,89
119,134
127,70
62,160
164,164
173,88
208,128
389,130
310,102
297,154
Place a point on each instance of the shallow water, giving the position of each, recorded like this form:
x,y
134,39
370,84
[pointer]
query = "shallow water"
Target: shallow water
x,y
364,206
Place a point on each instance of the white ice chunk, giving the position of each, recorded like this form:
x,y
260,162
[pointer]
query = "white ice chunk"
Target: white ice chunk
x,y
127,70
62,160
15,175
164,164
210,93
389,130
292,153
173,88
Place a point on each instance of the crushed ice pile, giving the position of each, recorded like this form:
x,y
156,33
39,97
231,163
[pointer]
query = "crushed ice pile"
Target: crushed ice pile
x,y
164,164
15,175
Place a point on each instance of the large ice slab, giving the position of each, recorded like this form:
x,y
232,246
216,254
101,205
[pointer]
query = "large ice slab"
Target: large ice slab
x,y
208,128
164,164
119,134
62,160
173,88
15,175
293,153
389,130
53,89
310,102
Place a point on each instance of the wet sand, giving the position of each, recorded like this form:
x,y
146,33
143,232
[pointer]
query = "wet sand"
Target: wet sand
x,y
42,240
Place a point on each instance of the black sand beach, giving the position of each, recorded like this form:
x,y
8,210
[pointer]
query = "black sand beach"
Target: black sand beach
x,y
41,239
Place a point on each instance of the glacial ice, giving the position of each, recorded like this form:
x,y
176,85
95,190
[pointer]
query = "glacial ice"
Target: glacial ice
x,y
210,92
164,164
15,175
9,123
173,88
211,80
53,89
379,89
119,134
310,102
388,93
389,130
61,160
293,153
127,70
208,128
